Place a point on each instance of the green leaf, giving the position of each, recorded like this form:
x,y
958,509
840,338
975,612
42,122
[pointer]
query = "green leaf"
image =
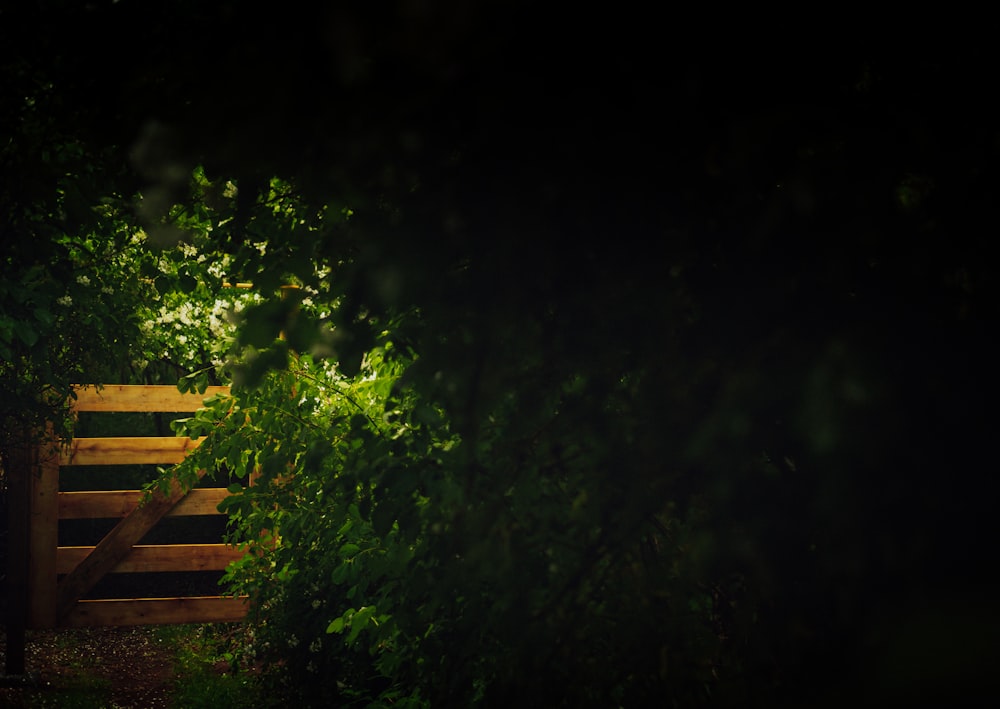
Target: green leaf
x,y
234,460
428,415
187,283
342,573
162,284
335,626
43,315
178,426
359,621
383,518
274,464
26,333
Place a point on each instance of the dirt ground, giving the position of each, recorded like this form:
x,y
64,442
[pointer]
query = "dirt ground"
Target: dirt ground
x,y
129,668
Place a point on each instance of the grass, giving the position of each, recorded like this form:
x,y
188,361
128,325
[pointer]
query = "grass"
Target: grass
x,y
202,671
81,692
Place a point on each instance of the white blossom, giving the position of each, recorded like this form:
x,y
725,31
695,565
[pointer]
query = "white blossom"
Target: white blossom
x,y
65,301
184,314
83,280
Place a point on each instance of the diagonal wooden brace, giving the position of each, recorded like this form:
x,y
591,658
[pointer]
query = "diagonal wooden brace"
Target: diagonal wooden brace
x,y
114,547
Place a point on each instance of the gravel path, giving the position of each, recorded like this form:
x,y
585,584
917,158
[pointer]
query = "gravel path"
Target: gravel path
x,y
130,664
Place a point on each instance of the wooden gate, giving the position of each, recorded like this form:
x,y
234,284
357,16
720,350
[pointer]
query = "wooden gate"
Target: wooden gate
x,y
59,576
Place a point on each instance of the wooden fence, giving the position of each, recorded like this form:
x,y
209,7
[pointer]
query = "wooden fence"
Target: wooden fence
x,y
58,577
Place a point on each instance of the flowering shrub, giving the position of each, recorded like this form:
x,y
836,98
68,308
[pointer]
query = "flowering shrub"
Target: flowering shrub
x,y
323,563
68,316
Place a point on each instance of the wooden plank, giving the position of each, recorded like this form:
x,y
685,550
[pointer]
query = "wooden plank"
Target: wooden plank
x,y
135,397
146,558
113,548
44,536
129,450
161,611
97,504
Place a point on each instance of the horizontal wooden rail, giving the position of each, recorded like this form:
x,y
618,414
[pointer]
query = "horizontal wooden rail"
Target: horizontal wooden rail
x,y
59,577
147,558
114,547
104,504
128,450
138,397
157,611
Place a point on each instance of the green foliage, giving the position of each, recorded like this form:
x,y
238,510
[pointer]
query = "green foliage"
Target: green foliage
x,y
67,312
429,522
299,438
387,551
203,678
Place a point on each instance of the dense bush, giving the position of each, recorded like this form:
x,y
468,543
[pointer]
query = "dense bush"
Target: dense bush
x,y
388,561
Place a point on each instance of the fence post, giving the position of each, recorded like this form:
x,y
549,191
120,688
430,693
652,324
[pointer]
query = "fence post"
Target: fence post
x,y
43,533
18,469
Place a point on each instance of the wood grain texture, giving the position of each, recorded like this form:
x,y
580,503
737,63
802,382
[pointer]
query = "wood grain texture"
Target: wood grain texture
x,y
157,611
136,397
146,558
128,450
114,547
104,504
